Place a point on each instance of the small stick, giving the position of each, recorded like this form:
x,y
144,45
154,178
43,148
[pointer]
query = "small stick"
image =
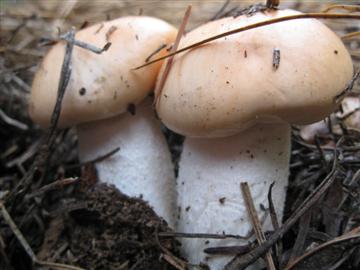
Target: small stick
x,y
63,82
274,222
17,232
253,26
250,207
54,185
231,250
173,49
202,235
27,247
168,256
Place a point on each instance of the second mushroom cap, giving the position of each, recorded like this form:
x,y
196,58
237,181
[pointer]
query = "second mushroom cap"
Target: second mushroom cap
x,y
227,85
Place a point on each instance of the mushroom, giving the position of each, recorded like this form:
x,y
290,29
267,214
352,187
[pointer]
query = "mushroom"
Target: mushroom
x,y
235,98
102,100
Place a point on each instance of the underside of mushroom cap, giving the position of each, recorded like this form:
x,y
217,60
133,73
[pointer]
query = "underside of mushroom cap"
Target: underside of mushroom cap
x,y
101,85
284,72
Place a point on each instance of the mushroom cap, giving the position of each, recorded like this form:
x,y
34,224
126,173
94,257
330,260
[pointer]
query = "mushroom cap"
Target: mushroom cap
x,y
101,85
225,86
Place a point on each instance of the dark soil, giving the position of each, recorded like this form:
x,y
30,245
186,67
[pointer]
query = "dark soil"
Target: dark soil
x,y
100,228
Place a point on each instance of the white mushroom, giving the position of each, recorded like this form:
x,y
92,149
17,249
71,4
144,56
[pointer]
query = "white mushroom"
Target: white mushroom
x,y
100,91
234,99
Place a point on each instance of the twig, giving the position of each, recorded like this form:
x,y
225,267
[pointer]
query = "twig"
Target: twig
x,y
27,247
54,185
63,82
168,256
92,48
167,68
12,122
253,26
243,261
321,152
274,219
67,37
232,250
17,232
201,235
352,237
250,207
274,222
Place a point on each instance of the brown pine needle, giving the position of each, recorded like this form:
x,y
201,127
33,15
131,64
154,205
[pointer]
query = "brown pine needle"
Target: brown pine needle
x,y
256,25
173,49
250,207
351,35
351,8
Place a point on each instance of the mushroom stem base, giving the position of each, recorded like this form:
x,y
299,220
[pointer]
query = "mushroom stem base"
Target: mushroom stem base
x,y
142,167
209,195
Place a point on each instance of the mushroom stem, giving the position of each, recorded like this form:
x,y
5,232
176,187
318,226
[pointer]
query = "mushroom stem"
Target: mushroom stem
x,y
142,167
210,173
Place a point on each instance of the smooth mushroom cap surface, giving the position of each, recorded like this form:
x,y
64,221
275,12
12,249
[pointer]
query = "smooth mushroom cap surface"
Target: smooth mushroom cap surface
x,y
227,85
101,85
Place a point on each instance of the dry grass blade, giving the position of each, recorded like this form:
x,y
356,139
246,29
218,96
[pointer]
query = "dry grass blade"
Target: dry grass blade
x,y
353,236
256,25
173,49
250,207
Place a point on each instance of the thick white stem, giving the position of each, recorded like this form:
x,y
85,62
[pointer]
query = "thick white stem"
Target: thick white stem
x,y
209,194
142,167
